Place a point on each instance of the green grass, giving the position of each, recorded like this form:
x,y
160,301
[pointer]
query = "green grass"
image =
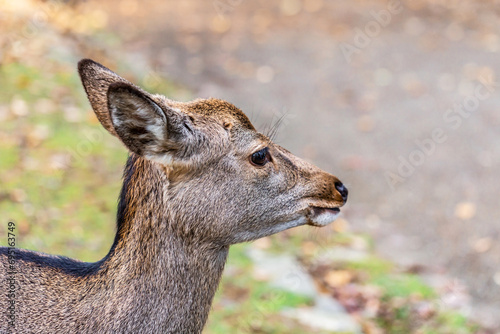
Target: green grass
x,y
373,266
403,285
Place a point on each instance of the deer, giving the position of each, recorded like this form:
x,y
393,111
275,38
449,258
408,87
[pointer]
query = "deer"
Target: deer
x,y
199,178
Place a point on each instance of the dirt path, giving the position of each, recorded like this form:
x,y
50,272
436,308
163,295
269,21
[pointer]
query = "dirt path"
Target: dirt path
x,y
397,100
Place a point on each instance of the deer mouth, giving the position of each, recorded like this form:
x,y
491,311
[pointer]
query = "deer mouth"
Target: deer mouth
x,y
322,216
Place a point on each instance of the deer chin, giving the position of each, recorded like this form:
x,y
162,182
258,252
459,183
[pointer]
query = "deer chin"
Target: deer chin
x,y
322,216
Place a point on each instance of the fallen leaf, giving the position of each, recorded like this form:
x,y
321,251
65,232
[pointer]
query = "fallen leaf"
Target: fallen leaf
x,y
338,278
465,210
482,245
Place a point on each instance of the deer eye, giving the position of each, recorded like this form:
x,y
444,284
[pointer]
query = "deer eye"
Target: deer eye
x,y
260,158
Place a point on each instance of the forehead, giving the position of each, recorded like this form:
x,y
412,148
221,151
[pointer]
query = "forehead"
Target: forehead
x,y
221,112
219,109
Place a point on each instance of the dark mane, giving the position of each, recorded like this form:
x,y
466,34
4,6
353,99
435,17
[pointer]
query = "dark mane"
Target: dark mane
x,y
124,203
64,264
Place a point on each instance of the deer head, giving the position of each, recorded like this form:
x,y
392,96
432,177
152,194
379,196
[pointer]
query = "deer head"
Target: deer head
x,y
216,178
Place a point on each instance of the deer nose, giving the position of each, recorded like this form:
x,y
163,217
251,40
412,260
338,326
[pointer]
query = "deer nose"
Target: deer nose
x,y
342,190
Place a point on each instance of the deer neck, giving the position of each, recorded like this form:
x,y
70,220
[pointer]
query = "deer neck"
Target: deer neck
x,y
173,278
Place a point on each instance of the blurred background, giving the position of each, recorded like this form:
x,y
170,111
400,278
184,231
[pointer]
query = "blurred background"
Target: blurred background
x,y
399,99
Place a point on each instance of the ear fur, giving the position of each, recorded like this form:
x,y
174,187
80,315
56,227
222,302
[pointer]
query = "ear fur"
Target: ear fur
x,y
96,80
139,122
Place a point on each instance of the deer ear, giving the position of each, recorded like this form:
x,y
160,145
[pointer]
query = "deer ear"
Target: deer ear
x,y
96,80
131,114
147,129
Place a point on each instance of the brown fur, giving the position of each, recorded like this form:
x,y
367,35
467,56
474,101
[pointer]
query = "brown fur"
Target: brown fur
x,y
189,192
